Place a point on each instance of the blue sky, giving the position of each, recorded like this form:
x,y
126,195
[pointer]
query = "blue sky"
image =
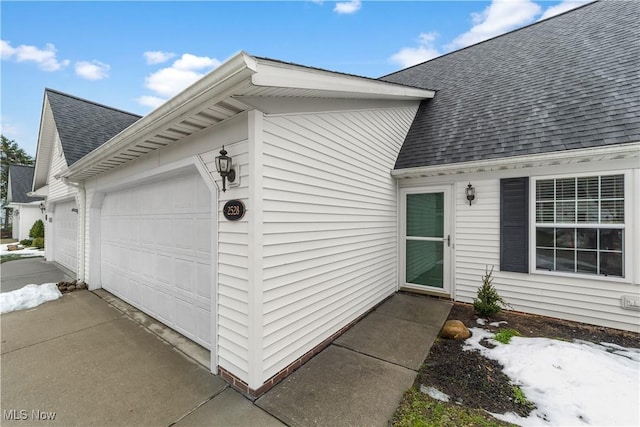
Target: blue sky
x,y
135,55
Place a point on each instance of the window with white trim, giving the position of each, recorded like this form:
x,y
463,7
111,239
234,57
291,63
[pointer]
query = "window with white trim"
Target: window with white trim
x,y
580,225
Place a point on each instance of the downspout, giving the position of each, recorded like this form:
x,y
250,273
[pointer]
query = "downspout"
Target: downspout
x,y
82,211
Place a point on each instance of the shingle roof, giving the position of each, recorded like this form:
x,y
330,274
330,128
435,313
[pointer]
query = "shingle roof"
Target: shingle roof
x,y
21,178
83,125
565,83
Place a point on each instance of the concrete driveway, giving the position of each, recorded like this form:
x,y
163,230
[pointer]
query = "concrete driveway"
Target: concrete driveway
x,y
85,363
21,272
89,359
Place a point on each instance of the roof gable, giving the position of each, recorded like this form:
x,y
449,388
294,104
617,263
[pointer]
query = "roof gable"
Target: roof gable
x,y
83,125
564,83
20,181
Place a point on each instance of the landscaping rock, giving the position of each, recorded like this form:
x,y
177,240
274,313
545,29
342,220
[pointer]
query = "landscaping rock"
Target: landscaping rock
x,y
71,287
13,247
455,330
81,285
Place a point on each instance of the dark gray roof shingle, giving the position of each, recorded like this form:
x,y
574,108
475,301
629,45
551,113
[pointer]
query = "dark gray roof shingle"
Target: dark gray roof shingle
x,y
21,179
83,125
568,82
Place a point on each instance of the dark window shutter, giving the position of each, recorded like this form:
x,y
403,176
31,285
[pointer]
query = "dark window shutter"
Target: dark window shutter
x,y
514,224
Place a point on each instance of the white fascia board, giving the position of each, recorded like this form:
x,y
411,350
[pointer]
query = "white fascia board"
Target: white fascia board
x,y
276,74
40,192
230,73
46,132
612,152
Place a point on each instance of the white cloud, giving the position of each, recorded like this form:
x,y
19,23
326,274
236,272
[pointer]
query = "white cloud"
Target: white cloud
x,y
169,81
408,56
94,70
348,7
158,57
498,18
562,7
45,58
150,101
9,129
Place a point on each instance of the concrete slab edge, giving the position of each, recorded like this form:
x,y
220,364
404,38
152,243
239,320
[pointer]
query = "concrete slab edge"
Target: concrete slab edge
x,y
188,348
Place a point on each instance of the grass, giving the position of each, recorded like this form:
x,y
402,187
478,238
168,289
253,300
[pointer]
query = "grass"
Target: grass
x,y
12,257
504,335
419,410
520,398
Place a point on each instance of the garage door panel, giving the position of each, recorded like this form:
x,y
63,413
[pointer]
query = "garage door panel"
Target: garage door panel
x,y
65,232
159,249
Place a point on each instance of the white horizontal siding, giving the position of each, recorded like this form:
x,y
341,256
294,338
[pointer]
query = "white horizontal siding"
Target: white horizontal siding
x,y
477,245
233,264
57,189
329,224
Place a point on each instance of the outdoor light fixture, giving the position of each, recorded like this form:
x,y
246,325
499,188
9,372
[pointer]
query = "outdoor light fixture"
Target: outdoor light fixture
x,y
224,166
42,207
470,192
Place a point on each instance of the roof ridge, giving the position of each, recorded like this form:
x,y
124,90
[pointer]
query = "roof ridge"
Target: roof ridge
x,y
46,89
495,37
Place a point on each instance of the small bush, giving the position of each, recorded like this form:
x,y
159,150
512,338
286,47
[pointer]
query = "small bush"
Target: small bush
x,y
37,230
488,303
504,335
26,243
38,242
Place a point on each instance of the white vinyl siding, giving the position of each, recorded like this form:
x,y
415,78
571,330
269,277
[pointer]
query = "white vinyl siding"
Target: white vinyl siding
x,y
477,245
57,189
233,263
329,223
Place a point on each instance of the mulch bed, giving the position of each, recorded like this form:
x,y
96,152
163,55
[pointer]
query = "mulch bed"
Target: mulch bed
x,y
477,382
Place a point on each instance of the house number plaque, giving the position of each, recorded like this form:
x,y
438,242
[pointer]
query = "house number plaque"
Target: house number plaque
x,y
233,210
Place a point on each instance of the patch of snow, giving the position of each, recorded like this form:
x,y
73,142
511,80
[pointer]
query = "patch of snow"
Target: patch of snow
x,y
481,321
28,296
571,383
434,393
497,324
21,252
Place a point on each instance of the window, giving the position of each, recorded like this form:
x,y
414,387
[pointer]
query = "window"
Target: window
x,y
580,225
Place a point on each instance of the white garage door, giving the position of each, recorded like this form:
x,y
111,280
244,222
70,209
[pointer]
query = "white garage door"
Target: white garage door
x,y
65,235
156,252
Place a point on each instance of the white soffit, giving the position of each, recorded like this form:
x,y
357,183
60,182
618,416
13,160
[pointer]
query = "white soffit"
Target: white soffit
x,y
218,97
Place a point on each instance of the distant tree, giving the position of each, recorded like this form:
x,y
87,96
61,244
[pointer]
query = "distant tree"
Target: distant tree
x,y
11,154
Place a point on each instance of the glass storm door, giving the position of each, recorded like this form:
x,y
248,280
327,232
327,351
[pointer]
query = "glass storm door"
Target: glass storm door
x,y
426,240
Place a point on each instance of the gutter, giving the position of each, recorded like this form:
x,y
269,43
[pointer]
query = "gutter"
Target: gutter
x,y
236,66
612,152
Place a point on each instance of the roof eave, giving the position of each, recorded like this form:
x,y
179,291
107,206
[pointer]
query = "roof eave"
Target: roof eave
x,y
610,152
230,73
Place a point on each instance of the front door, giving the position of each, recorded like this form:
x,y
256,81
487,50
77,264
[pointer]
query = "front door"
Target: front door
x,y
426,239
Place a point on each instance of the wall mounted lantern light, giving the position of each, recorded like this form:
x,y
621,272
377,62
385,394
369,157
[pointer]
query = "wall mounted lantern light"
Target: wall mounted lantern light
x,y
224,166
470,192
42,207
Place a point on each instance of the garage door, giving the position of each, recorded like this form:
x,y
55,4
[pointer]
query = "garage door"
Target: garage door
x,y
65,235
156,252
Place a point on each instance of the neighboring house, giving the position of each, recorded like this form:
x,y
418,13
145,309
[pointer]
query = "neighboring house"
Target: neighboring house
x,y
26,210
70,128
354,188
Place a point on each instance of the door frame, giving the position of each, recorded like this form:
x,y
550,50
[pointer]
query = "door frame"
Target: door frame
x,y
448,261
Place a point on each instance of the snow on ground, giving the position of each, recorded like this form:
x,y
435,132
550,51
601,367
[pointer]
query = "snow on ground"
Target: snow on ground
x,y
571,383
21,252
28,296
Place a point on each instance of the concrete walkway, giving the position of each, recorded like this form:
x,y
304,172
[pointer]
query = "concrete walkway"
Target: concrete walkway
x,y
93,361
359,379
